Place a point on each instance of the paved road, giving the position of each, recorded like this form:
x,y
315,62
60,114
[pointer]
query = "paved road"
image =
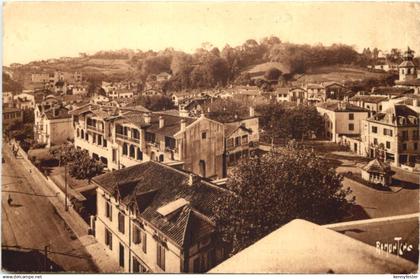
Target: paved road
x,y
31,222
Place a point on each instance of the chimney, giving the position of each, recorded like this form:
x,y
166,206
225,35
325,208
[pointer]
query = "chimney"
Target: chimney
x,y
161,122
54,111
193,178
251,111
415,102
183,124
147,118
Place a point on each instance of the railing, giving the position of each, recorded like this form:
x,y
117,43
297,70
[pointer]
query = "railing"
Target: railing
x,y
127,138
94,128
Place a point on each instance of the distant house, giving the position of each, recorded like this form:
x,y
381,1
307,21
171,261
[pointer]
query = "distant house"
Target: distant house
x,y
282,94
12,116
335,90
369,102
24,101
393,135
162,77
315,93
53,125
341,118
7,99
241,138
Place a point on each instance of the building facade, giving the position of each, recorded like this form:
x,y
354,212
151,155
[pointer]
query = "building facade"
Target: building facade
x,y
155,218
341,119
122,137
393,135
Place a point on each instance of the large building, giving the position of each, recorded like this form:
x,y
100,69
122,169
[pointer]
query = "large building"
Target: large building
x,y
122,137
342,119
393,135
155,218
53,123
12,116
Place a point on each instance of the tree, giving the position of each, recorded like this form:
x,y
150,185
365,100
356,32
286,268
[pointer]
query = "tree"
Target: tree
x,y
225,110
272,74
260,202
155,102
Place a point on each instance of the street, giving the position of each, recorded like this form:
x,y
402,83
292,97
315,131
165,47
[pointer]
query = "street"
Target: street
x,y
30,222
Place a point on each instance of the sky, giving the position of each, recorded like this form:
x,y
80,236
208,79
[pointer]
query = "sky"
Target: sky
x,y
43,30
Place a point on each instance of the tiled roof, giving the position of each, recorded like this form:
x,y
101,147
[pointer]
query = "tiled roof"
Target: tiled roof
x,y
345,107
368,98
391,90
407,64
377,166
392,114
151,185
172,124
57,113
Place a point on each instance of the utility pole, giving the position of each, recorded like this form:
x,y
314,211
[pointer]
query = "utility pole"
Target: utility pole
x,y
46,258
65,187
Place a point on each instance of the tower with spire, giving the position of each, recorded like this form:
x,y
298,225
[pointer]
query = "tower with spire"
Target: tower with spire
x,y
407,69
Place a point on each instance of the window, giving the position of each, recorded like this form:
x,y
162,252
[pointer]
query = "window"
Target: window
x,y
139,154
82,134
404,146
136,235
144,242
388,145
121,255
125,149
161,158
375,141
244,139
237,141
132,151
351,127
374,129
415,134
160,256
108,210
351,116
229,143
405,135
108,239
387,132
105,143
203,135
119,129
78,132
150,137
114,155
99,140
415,146
136,134
121,222
138,267
87,137
170,142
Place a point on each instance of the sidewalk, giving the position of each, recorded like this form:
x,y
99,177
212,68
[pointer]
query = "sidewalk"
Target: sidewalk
x,y
104,262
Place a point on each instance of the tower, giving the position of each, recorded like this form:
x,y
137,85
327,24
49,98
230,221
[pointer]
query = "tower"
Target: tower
x,y
407,69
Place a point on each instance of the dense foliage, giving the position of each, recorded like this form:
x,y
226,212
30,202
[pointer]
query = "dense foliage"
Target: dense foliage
x,y
269,191
81,165
155,102
281,121
225,110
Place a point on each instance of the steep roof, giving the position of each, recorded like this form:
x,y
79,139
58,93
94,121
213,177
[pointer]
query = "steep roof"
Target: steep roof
x,y
396,112
151,185
172,124
377,166
57,113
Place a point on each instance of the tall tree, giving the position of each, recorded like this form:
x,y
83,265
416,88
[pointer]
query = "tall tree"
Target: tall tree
x,y
261,202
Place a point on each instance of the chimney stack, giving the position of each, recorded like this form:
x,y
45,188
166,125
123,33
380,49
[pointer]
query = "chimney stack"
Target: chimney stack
x,y
147,118
183,124
251,111
415,102
193,178
161,122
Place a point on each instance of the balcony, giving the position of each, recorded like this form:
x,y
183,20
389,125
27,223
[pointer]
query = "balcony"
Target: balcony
x,y
127,138
95,129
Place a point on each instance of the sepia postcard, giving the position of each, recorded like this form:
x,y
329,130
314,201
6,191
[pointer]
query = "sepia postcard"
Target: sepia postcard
x,y
210,137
